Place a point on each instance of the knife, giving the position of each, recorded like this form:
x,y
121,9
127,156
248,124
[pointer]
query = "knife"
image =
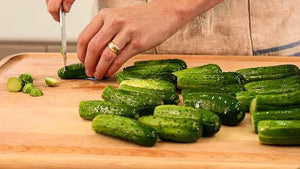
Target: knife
x,y
62,23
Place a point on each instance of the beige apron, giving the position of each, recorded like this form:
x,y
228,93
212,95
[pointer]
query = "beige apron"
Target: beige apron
x,y
234,27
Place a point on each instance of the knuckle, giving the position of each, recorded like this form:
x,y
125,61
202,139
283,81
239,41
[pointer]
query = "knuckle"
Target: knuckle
x,y
82,39
130,31
116,21
92,47
108,55
137,45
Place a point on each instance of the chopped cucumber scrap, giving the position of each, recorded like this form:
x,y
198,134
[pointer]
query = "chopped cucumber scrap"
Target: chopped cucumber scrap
x,y
51,82
36,92
26,78
14,84
27,88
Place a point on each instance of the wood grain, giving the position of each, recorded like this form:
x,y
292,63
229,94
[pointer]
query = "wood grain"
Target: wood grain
x,y
47,132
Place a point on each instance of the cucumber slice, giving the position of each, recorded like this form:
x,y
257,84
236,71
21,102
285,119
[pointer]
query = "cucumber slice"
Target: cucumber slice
x,y
36,92
14,84
50,81
27,88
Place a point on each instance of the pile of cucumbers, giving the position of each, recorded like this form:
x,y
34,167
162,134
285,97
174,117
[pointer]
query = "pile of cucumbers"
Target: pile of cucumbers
x,y
144,106
273,98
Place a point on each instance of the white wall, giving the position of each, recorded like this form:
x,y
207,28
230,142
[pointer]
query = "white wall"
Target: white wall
x,y
28,20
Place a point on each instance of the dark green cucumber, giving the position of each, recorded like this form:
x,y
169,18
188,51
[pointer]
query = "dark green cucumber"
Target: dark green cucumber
x,y
91,108
288,114
150,84
233,78
228,108
268,72
125,128
282,84
26,78
275,102
279,132
234,88
194,80
161,62
144,103
169,97
204,89
205,69
153,69
130,76
14,84
178,130
210,121
73,71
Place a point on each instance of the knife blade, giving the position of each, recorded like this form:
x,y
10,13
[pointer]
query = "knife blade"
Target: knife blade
x,y
63,50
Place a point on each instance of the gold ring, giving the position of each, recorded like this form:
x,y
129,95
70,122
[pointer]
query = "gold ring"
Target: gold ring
x,y
114,48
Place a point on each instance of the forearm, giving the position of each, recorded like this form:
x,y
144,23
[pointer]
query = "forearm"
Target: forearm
x,y
182,11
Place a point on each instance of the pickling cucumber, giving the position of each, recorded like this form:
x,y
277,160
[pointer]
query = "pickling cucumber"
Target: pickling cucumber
x,y
194,80
150,84
144,103
169,97
205,69
228,108
279,132
34,92
234,88
91,108
178,130
73,71
161,62
50,81
27,88
275,102
125,128
210,121
14,84
233,78
288,114
151,70
130,76
26,78
268,72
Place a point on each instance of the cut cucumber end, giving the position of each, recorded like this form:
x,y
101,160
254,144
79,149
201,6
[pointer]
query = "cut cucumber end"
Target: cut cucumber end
x,y
253,105
36,92
14,84
27,88
51,82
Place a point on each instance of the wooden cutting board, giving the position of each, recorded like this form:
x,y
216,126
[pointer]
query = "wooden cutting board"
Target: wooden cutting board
x,y
47,132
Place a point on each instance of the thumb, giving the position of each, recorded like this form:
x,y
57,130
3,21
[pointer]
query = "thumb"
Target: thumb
x,y
67,4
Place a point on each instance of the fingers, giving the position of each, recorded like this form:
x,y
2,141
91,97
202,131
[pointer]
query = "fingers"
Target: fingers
x,y
67,4
126,53
53,8
96,44
86,35
107,57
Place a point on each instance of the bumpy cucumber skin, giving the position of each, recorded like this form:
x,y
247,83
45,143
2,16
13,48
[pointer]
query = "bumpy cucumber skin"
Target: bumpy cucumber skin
x,y
233,78
130,76
14,84
150,84
34,92
269,72
279,132
88,110
285,83
234,88
210,121
228,108
27,88
125,128
169,97
153,69
194,80
289,114
26,78
178,130
275,102
205,69
73,71
161,62
144,103
230,89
